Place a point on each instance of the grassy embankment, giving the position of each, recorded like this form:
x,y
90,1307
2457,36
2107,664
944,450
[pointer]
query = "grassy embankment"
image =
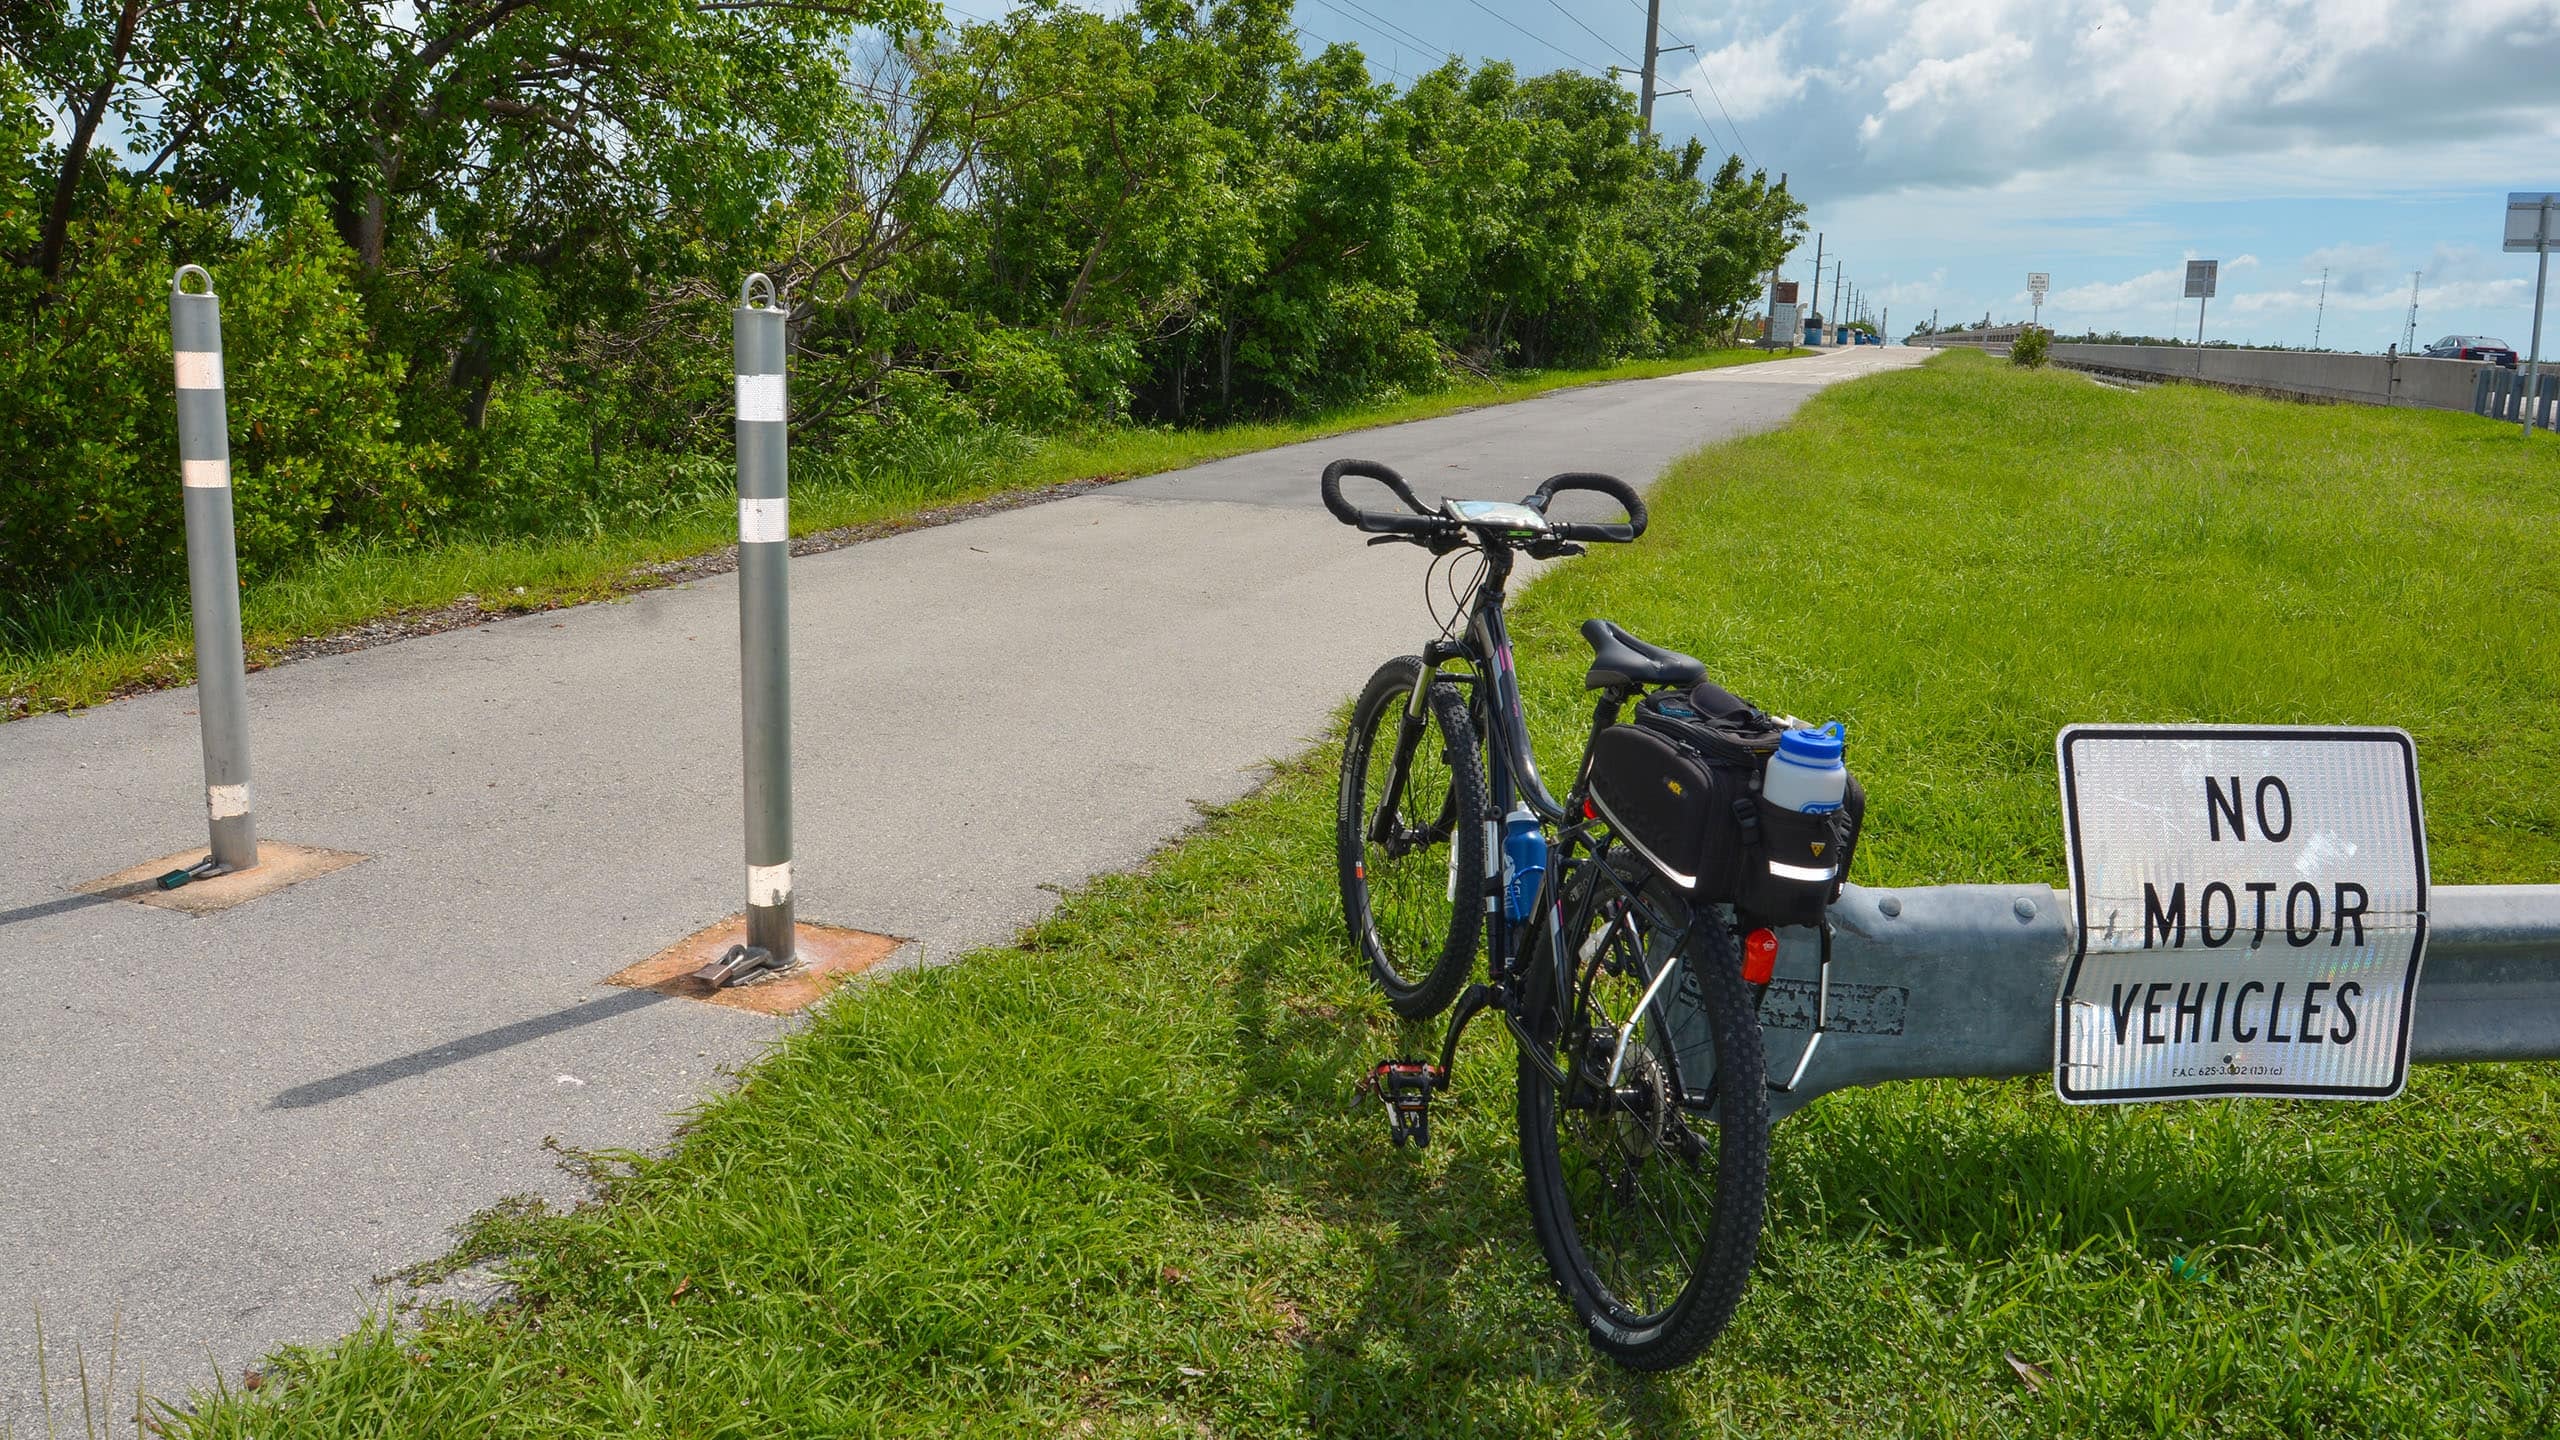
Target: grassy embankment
x,y
79,650
1114,1180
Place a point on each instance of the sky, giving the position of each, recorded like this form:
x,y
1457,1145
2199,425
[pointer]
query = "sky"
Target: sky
x,y
1945,148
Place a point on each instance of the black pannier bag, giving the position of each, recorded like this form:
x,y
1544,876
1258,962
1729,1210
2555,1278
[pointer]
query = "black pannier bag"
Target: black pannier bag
x,y
1681,783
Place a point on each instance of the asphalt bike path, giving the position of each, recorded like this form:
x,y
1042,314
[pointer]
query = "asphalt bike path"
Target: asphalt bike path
x,y
225,1128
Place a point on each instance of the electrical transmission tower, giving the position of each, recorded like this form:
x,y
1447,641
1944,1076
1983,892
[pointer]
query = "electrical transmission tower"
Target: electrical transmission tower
x,y
2323,312
2409,332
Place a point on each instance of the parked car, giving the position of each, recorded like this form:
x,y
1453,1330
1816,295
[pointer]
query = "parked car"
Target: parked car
x,y
2474,347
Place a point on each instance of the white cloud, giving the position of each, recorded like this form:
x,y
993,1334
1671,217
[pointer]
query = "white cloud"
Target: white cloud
x,y
1751,76
2112,296
1888,96
2106,140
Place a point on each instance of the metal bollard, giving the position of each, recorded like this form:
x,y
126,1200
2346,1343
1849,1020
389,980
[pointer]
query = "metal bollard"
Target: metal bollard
x,y
213,574
764,632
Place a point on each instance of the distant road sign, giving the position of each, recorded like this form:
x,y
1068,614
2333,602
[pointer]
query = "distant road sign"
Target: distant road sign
x,y
2251,906
2526,231
2200,278
2038,282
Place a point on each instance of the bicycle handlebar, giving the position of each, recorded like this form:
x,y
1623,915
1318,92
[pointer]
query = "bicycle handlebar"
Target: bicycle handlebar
x,y
1420,522
1426,522
1612,532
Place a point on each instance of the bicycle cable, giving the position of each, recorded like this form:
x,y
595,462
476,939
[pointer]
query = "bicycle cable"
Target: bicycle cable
x,y
1448,581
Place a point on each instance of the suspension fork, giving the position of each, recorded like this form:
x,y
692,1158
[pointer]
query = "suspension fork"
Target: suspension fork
x,y
1409,731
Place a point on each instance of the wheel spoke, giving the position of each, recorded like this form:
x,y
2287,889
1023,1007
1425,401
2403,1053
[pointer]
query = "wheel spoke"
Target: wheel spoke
x,y
1409,843
1638,1178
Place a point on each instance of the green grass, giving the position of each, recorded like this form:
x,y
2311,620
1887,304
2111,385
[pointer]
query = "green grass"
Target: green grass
x,y
80,649
1114,1179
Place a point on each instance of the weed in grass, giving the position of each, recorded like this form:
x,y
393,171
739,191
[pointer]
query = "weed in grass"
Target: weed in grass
x,y
1115,1180
100,1395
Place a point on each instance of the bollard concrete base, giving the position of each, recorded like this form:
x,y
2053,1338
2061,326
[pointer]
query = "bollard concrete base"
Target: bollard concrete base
x,y
279,865
828,956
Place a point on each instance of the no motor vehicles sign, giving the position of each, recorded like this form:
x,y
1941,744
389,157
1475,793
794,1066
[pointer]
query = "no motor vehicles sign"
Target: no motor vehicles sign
x,y
2251,907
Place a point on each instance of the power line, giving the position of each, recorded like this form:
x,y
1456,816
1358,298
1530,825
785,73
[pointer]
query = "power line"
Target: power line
x,y
1396,38
1727,114
1366,58
1709,126
1541,39
1390,25
1586,29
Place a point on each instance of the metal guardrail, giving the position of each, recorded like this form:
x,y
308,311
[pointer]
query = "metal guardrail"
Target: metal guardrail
x,y
2499,393
1948,981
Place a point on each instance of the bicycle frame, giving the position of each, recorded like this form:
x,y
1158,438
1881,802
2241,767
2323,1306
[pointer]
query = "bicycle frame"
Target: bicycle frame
x,y
1512,777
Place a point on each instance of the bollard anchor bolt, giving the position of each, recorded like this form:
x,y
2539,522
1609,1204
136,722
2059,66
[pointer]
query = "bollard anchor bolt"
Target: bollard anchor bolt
x,y
204,869
742,963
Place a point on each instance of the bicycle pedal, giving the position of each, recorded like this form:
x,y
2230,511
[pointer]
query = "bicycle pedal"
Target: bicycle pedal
x,y
1404,1087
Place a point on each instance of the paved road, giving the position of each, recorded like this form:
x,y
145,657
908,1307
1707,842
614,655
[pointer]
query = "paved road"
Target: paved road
x,y
226,1127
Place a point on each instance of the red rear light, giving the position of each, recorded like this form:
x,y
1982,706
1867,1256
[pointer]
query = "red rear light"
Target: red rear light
x,y
1760,956
1590,811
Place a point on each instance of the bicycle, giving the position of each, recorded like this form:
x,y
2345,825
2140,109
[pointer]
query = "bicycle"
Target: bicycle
x,y
1643,1105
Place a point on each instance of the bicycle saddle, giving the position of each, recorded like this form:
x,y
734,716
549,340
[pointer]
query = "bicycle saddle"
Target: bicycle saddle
x,y
1620,659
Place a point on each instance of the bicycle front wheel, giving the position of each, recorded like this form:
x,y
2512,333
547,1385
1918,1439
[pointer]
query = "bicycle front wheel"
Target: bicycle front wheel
x,y
1648,1165
1409,837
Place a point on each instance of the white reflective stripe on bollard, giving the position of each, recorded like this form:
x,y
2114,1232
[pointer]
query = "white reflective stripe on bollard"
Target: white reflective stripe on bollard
x,y
226,801
199,369
759,397
768,884
761,520
205,474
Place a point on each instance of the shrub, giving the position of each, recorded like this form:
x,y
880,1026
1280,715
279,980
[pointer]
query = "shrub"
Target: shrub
x,y
2031,348
88,429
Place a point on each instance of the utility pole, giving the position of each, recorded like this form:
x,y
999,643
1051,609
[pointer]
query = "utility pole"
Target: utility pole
x,y
1817,271
1835,294
2323,312
2409,333
1654,50
2542,238
1769,327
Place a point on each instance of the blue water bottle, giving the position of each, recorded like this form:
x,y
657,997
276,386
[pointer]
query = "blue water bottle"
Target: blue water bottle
x,y
1524,862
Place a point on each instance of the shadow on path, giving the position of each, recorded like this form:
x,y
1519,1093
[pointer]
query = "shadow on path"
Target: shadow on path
x,y
67,903
470,1047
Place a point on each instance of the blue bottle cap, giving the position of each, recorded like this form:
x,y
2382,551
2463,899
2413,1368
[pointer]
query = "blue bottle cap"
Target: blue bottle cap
x,y
1819,748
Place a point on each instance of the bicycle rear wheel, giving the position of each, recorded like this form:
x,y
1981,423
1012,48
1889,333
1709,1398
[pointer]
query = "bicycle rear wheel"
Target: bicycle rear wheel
x,y
1647,1192
1410,840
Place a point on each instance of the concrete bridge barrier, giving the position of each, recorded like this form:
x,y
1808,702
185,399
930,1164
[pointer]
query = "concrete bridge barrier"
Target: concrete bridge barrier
x,y
2295,374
